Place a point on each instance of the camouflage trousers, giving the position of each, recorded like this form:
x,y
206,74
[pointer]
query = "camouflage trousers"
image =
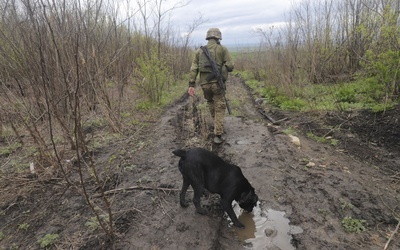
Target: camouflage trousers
x,y
216,104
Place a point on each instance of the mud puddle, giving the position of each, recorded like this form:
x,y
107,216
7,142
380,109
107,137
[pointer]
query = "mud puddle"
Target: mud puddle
x,y
265,229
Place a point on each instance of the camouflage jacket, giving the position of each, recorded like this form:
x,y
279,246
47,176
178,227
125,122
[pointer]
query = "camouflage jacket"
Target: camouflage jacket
x,y
201,65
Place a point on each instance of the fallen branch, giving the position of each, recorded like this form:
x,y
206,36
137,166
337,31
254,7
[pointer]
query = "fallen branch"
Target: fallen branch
x,y
391,236
274,122
118,190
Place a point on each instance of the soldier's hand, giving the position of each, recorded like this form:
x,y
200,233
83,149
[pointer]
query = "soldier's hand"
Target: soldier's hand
x,y
191,91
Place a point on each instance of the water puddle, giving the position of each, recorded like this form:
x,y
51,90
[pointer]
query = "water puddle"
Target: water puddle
x,y
265,229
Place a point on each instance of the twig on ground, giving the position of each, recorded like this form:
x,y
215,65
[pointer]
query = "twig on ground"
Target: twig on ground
x,y
164,210
391,236
117,190
396,176
6,163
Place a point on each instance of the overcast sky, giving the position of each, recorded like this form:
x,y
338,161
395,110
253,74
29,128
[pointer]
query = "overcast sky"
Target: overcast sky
x,y
237,19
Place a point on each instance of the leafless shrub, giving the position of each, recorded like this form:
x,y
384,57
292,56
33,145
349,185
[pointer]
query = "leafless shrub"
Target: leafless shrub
x,y
63,62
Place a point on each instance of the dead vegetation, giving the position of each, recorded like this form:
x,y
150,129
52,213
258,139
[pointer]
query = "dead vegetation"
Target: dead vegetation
x,y
77,87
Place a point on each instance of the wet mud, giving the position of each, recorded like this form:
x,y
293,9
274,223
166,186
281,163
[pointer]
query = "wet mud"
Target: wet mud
x,y
306,188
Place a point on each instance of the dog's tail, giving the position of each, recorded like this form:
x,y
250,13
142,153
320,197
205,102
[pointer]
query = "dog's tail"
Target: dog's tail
x,y
179,152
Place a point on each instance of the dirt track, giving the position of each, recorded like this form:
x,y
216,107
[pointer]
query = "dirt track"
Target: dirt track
x,y
315,185
305,191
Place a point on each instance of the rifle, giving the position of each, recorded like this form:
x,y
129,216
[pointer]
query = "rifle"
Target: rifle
x,y
216,74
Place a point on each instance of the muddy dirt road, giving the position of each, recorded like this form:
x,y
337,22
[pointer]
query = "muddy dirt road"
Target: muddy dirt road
x,y
306,190
310,192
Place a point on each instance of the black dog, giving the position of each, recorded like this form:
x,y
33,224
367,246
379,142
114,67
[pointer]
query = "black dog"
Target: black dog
x,y
203,169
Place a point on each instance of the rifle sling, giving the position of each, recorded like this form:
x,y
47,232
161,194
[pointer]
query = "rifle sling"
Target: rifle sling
x,y
215,71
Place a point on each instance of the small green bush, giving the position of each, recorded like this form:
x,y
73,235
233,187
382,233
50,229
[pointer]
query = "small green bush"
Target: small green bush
x,y
351,225
345,205
346,95
154,75
23,226
269,92
373,90
48,240
93,223
383,67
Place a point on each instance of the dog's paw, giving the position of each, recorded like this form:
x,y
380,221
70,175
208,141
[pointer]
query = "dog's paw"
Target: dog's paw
x,y
239,225
202,211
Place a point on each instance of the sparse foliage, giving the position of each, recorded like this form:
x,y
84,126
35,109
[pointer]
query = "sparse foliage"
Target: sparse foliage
x,y
62,63
330,42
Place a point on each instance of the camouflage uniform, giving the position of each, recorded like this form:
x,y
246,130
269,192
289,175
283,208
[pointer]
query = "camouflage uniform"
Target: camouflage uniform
x,y
212,93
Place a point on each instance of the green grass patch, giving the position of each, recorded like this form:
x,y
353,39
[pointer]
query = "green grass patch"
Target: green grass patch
x,y
293,104
235,106
290,131
169,95
246,75
174,92
356,95
146,105
7,150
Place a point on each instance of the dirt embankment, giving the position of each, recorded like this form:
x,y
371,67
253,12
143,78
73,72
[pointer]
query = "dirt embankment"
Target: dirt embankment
x,y
312,187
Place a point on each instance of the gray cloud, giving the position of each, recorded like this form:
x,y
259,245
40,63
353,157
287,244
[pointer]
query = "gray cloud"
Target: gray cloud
x,y
237,19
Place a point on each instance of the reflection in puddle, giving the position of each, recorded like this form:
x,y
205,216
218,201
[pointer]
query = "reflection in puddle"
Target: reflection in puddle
x,y
265,229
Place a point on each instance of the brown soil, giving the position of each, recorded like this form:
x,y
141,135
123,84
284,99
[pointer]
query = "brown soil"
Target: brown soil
x,y
315,184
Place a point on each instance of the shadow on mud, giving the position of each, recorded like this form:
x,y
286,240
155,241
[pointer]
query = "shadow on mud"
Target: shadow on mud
x,y
265,229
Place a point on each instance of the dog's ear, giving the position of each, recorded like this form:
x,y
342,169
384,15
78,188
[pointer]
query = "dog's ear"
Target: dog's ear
x,y
255,198
244,197
179,152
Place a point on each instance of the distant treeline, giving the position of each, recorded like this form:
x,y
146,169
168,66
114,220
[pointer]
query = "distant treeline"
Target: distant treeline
x,y
331,41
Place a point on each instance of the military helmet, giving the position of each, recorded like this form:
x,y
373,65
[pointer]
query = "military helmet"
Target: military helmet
x,y
214,33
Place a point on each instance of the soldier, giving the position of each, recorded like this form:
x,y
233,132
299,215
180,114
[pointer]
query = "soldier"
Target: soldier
x,y
212,92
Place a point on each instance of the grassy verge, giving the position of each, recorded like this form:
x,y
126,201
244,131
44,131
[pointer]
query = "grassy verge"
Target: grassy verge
x,y
356,95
